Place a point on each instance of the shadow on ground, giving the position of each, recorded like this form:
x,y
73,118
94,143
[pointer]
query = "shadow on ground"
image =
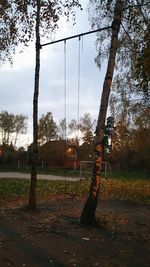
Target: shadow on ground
x,y
52,236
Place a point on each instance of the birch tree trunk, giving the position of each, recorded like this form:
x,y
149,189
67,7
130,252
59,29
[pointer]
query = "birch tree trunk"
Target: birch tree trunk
x,y
32,194
88,213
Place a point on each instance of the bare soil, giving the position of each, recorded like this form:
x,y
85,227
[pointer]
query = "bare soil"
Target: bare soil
x,y
53,236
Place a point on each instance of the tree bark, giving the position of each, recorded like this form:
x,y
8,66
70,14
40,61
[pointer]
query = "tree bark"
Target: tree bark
x,y
88,213
32,193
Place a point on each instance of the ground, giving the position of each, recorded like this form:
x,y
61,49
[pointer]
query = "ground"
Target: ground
x,y
53,236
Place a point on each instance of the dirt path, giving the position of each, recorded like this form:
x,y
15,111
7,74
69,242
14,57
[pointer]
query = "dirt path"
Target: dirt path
x,y
52,236
49,177
23,249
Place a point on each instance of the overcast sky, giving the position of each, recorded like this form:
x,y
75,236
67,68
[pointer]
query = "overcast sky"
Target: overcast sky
x,y
17,82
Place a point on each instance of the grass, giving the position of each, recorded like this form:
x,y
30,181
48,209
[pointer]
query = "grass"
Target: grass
x,y
134,190
131,174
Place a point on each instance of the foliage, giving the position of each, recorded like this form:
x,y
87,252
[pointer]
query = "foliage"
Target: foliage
x,y
87,126
142,70
13,188
132,124
133,190
20,126
6,125
9,124
62,129
121,189
120,144
18,22
47,128
7,153
133,47
73,128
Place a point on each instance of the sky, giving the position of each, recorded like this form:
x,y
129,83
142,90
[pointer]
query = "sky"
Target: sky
x,y
17,82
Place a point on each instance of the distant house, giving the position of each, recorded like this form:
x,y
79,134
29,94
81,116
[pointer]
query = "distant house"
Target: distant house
x,y
58,153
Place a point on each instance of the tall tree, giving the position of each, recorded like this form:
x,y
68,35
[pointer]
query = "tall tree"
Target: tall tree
x,y
6,126
88,213
62,129
131,125
87,127
11,124
47,128
140,132
73,127
32,194
141,67
23,21
20,126
125,37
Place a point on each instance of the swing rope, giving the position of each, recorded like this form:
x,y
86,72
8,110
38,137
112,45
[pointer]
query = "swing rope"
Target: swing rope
x,y
65,99
79,66
65,88
65,111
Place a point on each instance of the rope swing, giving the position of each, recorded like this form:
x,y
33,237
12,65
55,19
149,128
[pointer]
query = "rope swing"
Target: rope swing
x,y
78,102
65,88
65,111
79,66
78,84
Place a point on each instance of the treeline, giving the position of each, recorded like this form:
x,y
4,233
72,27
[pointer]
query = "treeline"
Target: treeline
x,y
126,144
49,130
11,126
131,134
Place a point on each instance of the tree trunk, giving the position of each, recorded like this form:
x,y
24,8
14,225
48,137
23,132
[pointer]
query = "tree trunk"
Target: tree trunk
x,y
88,213
32,194
16,136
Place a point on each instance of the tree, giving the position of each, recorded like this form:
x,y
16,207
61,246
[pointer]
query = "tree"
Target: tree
x,y
121,144
24,21
20,126
125,37
47,128
88,213
131,125
87,127
12,124
133,58
62,129
73,127
18,21
142,70
140,132
120,108
6,126
7,153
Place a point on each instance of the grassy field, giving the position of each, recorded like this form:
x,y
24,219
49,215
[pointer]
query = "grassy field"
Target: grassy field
x,y
123,189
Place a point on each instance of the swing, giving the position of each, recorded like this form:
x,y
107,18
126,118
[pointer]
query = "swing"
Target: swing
x,y
71,150
64,40
65,87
